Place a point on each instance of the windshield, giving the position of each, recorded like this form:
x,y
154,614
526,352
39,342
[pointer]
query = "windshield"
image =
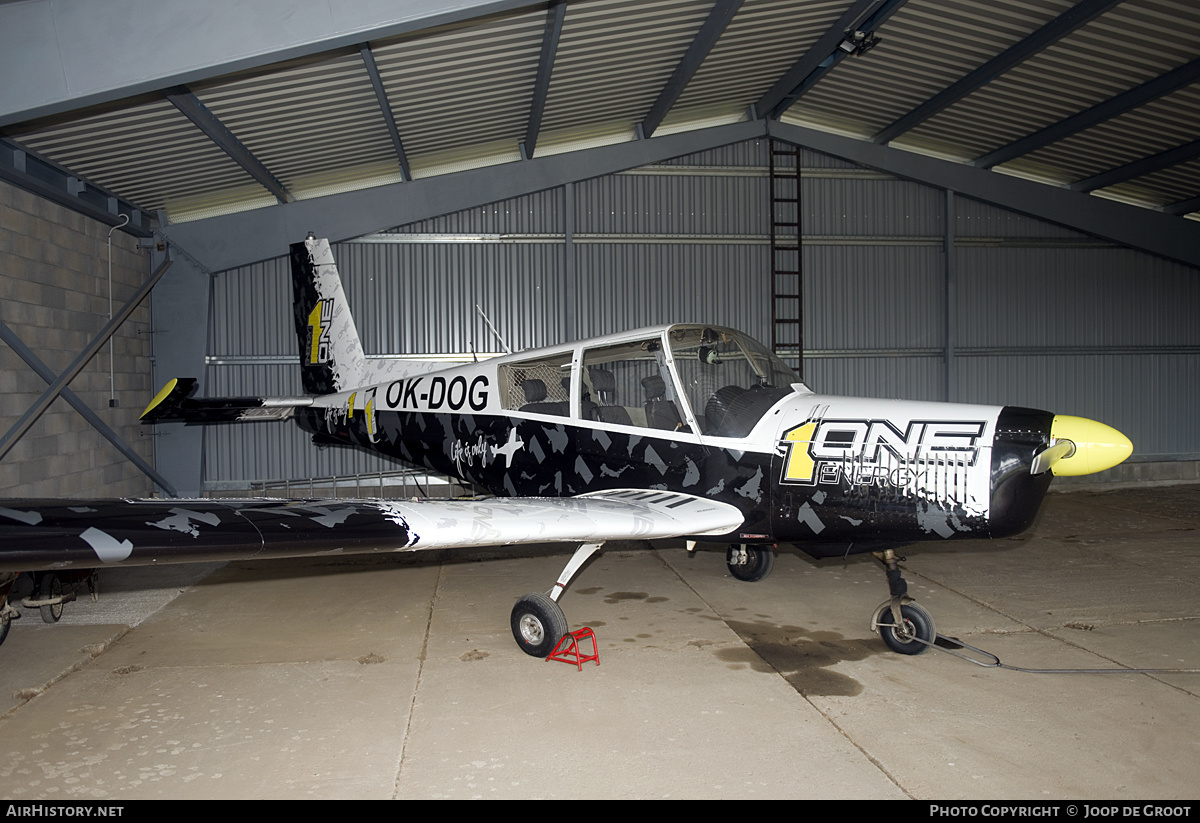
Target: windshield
x,y
730,379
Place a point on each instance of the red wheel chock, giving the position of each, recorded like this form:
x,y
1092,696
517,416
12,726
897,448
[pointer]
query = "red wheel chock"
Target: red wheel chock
x,y
567,650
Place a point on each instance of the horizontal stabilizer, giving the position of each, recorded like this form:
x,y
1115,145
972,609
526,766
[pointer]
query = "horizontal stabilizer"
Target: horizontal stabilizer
x,y
176,404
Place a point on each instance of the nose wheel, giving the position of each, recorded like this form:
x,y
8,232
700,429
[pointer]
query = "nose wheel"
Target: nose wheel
x,y
912,633
905,627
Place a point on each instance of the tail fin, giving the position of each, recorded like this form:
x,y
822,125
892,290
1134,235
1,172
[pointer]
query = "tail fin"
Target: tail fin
x,y
331,356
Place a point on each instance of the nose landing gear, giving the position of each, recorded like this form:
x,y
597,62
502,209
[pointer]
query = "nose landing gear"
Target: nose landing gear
x,y
905,627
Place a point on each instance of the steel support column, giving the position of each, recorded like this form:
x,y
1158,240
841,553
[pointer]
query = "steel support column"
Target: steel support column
x,y
950,271
181,312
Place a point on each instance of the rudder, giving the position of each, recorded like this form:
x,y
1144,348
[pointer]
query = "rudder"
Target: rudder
x,y
331,355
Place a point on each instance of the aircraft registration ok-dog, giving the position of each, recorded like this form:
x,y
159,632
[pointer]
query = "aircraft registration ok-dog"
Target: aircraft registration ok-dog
x,y
690,431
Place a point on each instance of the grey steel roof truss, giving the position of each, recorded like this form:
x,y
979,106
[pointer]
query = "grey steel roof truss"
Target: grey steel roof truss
x,y
191,107
541,85
32,172
229,240
1183,207
1047,35
1131,226
714,26
1147,165
822,57
1125,101
385,108
83,54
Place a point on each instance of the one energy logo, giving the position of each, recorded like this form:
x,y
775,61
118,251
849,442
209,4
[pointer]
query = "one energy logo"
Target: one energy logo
x,y
866,451
320,319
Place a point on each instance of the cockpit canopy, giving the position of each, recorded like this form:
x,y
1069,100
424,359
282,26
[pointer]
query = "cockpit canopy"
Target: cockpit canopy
x,y
665,379
729,379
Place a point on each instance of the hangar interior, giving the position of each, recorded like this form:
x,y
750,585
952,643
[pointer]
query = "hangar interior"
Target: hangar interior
x,y
995,202
992,203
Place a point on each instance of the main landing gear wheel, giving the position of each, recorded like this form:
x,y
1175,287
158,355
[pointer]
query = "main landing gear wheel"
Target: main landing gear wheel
x,y
750,563
51,587
913,635
538,624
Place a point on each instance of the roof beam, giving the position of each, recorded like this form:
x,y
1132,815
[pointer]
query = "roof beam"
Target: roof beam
x,y
1048,34
1183,207
231,240
541,85
822,57
32,172
1139,228
1173,80
368,58
58,56
714,26
215,130
1139,168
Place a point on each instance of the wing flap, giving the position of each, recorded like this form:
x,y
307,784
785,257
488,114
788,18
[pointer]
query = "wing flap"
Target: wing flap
x,y
51,534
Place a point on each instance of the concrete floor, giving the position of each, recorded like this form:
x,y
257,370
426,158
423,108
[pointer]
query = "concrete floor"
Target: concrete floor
x,y
398,677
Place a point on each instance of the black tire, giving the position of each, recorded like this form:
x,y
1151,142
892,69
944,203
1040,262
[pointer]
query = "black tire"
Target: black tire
x,y
50,586
5,625
538,624
918,627
759,562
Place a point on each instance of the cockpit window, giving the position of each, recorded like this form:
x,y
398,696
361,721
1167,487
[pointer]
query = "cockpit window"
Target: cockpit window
x,y
630,384
540,386
730,379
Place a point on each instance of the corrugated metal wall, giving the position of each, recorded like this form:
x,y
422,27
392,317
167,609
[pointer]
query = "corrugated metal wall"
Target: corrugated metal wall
x,y
1038,315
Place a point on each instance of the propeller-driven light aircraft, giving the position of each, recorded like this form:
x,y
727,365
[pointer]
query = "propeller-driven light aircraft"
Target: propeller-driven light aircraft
x,y
691,430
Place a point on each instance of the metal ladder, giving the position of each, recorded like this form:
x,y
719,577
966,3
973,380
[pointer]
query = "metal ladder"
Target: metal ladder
x,y
787,279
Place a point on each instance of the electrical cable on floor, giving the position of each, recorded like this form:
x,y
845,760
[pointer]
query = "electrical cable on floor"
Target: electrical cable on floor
x,y
996,664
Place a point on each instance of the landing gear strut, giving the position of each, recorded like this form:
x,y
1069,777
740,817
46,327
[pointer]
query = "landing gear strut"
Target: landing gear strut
x,y
905,627
537,621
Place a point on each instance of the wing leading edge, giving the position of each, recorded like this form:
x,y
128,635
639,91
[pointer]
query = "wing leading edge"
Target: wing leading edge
x,y
55,534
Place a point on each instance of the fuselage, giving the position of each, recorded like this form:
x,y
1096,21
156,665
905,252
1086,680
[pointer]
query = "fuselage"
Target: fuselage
x,y
707,411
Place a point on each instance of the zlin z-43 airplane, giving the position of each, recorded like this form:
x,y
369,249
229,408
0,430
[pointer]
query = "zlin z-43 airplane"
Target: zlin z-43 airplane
x,y
691,431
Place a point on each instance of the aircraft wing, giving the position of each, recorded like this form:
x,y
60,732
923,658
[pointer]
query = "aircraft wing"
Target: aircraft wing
x,y
55,534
